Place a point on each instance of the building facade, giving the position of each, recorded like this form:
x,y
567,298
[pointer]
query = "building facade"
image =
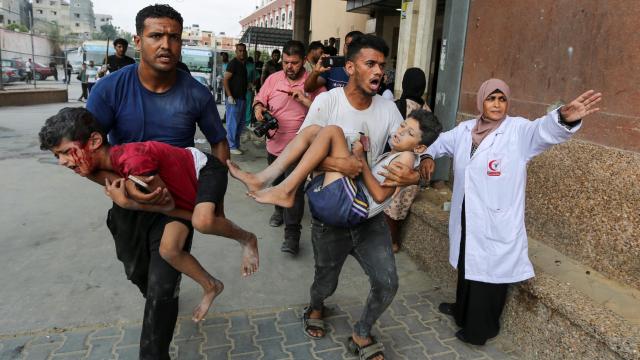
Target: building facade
x,y
82,20
101,20
277,14
14,12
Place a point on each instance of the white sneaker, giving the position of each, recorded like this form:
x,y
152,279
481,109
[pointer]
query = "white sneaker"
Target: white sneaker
x,y
236,151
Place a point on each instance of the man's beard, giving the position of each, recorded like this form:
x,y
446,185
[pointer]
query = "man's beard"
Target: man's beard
x,y
296,76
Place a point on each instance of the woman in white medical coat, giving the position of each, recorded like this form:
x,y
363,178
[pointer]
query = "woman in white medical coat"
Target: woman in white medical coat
x,y
487,237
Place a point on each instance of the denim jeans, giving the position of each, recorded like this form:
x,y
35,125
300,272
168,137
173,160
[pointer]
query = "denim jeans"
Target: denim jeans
x,y
235,115
370,244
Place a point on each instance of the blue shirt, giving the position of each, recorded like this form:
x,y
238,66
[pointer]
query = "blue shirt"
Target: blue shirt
x,y
335,77
131,113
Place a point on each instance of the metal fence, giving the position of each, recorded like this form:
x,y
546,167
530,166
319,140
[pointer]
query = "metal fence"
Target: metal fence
x,y
36,58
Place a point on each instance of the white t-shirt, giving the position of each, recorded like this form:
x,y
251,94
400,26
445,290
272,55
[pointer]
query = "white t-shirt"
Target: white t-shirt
x,y
378,121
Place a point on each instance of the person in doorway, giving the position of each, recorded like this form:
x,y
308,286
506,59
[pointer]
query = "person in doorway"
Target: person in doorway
x,y
120,59
487,236
271,66
235,87
153,101
283,97
330,77
195,180
314,53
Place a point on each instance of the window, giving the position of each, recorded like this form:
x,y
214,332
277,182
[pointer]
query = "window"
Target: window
x,y
277,21
55,12
39,12
290,16
77,24
77,16
37,1
52,3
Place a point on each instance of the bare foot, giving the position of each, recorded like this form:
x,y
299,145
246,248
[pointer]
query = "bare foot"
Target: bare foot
x,y
273,195
209,295
253,182
364,341
250,258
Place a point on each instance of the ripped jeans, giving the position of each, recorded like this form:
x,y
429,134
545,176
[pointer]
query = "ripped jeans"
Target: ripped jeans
x,y
370,244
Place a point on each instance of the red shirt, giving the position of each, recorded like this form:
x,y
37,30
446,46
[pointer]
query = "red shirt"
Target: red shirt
x,y
173,164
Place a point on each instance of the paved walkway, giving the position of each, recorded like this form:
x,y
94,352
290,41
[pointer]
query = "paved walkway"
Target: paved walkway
x,y
411,329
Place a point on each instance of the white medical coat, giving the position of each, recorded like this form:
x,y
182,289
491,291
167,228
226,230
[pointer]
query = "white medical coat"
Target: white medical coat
x,y
492,184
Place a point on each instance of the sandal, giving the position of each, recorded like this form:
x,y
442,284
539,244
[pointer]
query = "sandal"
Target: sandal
x,y
366,352
312,324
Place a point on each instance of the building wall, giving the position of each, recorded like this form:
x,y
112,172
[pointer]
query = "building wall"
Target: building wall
x,y
270,11
81,18
102,19
583,197
329,18
10,12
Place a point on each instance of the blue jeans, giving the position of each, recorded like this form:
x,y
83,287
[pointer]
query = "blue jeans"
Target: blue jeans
x,y
370,244
235,114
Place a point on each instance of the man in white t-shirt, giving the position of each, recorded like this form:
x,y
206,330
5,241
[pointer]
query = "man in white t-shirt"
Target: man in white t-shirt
x,y
356,109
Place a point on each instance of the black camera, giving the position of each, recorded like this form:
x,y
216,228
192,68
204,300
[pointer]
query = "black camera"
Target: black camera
x,y
269,123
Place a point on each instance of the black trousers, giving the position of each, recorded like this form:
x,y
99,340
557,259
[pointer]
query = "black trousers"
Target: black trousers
x,y
478,304
85,92
291,216
137,238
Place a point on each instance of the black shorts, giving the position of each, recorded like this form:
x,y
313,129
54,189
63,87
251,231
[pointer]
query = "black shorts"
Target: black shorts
x,y
212,181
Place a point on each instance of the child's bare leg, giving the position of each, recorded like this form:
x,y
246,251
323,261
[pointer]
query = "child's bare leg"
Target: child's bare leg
x,y
206,221
330,141
173,240
291,153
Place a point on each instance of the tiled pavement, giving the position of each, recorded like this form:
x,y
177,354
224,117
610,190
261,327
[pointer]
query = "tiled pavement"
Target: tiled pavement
x,y
411,329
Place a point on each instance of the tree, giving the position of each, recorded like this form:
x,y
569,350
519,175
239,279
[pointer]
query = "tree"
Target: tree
x,y
106,32
17,27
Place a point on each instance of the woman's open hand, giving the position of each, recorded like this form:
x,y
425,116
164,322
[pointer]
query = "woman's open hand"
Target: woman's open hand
x,y
582,106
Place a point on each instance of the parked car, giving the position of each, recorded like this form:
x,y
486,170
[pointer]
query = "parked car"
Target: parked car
x,y
42,72
18,65
9,74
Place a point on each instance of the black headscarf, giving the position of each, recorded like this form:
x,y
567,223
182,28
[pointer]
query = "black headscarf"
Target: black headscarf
x,y
414,83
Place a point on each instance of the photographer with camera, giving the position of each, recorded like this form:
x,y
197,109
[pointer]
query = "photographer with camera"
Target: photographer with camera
x,y
280,108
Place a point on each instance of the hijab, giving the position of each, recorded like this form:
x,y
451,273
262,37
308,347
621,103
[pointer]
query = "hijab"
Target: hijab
x,y
414,83
485,127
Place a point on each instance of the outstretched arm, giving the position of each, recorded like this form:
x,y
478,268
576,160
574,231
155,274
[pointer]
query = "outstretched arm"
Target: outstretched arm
x,y
557,126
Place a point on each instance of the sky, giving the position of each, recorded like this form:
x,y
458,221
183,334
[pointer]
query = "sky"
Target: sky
x,y
214,15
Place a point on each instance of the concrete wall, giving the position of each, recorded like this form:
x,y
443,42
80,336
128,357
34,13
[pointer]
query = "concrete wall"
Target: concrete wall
x,y
583,197
329,18
18,45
